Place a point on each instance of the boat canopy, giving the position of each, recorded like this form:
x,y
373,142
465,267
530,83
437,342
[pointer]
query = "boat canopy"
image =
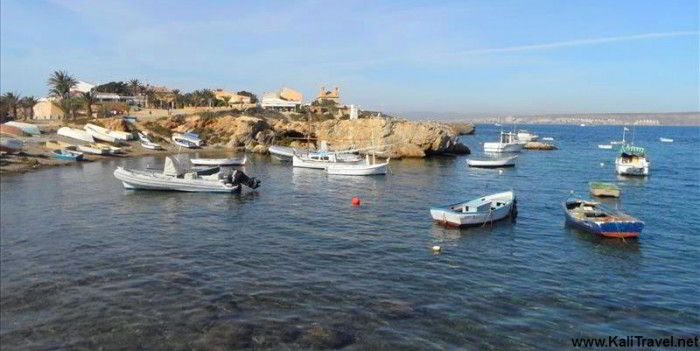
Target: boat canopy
x,y
173,167
633,150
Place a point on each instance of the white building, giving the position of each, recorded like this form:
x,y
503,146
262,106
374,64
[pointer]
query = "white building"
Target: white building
x,y
274,101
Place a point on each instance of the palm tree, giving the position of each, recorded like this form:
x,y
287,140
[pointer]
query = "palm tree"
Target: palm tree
x,y
177,97
12,101
28,103
88,100
60,84
135,87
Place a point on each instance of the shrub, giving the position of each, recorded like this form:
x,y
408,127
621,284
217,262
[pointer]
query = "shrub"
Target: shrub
x,y
158,129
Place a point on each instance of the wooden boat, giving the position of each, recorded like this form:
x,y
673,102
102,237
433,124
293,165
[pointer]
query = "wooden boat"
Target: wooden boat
x,y
68,155
28,128
594,218
321,160
8,144
76,134
358,169
11,130
485,209
604,189
508,143
187,139
605,146
100,133
663,140
492,162
176,177
234,161
632,160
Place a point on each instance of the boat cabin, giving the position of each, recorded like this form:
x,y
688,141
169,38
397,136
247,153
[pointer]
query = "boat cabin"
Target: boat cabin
x,y
508,138
475,206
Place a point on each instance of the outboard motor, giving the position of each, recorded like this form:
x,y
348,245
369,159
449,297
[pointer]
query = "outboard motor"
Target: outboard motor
x,y
238,177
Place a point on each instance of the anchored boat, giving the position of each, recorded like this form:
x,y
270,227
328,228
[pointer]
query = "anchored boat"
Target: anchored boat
x,y
524,135
321,159
633,160
486,209
594,218
605,146
493,162
358,169
663,140
604,189
508,143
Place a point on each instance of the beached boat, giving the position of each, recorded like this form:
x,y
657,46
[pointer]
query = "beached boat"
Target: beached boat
x,y
321,160
548,139
284,153
151,146
93,149
144,138
11,130
100,133
524,135
358,169
8,144
508,143
492,162
28,128
604,189
632,160
112,150
605,146
665,140
177,177
187,139
234,161
76,134
68,155
593,217
485,209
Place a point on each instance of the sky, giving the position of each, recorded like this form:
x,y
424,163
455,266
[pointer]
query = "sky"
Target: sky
x,y
432,57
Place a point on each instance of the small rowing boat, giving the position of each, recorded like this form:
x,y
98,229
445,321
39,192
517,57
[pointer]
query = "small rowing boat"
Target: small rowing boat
x,y
548,139
604,189
594,218
234,161
28,128
76,134
663,140
8,144
68,155
358,169
482,210
492,162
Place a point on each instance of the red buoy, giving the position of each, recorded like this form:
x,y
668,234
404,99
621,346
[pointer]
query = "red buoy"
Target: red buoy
x,y
355,201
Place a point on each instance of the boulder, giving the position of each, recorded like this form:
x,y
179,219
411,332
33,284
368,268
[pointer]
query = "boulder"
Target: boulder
x,y
538,145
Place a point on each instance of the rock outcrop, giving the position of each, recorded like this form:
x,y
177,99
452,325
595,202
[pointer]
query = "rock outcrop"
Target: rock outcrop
x,y
463,128
537,145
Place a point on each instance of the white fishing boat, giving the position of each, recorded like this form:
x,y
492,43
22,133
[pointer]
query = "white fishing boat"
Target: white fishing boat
x,y
492,162
486,209
234,161
178,177
358,169
548,139
665,140
582,125
524,135
605,146
321,160
75,134
633,160
8,144
187,139
28,128
100,133
509,143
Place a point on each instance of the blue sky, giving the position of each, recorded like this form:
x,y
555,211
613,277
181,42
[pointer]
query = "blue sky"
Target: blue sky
x,y
472,57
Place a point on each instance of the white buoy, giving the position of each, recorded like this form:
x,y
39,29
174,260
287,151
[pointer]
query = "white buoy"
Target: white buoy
x,y
602,164
437,249
500,171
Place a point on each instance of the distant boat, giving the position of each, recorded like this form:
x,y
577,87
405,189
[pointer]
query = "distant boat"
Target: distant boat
x,y
594,218
358,169
234,161
10,144
633,160
548,139
524,135
604,189
486,209
666,140
68,155
75,134
28,128
93,149
582,125
508,143
493,162
11,130
498,125
113,150
605,146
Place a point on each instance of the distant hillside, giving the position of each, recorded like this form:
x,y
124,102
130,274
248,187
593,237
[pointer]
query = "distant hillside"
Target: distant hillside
x,y
671,118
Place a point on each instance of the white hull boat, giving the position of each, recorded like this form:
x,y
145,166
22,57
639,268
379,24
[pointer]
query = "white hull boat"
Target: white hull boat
x,y
493,163
75,134
321,160
284,153
28,128
92,149
525,136
96,133
486,209
605,146
663,140
358,169
113,150
632,161
548,139
235,161
187,139
508,143
175,177
124,136
10,144
151,146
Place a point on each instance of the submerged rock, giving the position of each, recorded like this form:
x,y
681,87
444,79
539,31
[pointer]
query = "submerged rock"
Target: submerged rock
x,y
538,145
332,337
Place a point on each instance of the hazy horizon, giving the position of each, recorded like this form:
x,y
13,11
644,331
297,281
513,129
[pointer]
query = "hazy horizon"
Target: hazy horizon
x,y
471,58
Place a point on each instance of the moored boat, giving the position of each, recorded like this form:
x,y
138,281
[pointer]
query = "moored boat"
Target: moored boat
x,y
604,189
187,139
632,160
492,162
548,139
666,140
508,143
234,161
358,169
28,128
605,146
594,218
76,134
284,153
321,160
68,155
482,210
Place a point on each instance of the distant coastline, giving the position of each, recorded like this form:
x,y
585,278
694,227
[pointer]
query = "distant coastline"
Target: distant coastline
x,y
657,119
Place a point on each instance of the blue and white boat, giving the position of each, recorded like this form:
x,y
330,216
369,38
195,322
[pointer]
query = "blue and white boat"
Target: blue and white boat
x,y
485,209
68,155
187,140
594,218
28,128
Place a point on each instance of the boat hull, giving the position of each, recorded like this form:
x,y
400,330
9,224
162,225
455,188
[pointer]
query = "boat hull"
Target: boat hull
x,y
28,128
153,181
632,169
503,147
75,134
219,161
151,146
357,170
445,216
605,147
10,144
497,163
631,228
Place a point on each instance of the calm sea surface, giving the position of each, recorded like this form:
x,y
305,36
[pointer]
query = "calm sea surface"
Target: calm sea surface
x,y
292,265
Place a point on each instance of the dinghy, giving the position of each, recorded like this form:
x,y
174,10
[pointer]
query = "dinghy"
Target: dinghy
x,y
11,130
358,169
492,162
68,155
234,161
28,128
594,218
604,189
178,177
508,143
151,146
10,144
663,140
605,146
633,160
112,150
187,139
486,209
76,134
100,133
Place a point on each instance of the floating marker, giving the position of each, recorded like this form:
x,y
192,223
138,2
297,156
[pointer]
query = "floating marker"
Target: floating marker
x,y
437,249
602,164
355,201
500,171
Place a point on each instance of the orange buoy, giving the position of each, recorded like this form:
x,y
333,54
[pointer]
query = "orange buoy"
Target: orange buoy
x,y
355,201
